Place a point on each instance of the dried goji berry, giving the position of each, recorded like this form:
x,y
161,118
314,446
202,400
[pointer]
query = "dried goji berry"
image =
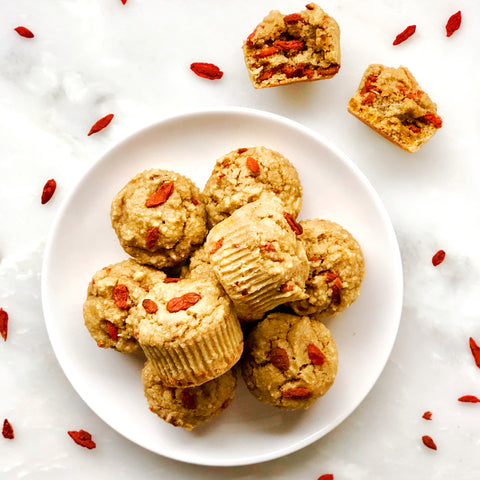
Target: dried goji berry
x,y
453,23
171,280
253,166
310,6
266,52
150,306
469,399
268,247
3,324
48,190
316,356
124,1
326,476
434,119
112,331
194,201
289,45
152,237
407,33
473,347
241,150
82,438
279,359
184,302
336,291
7,430
427,415
292,18
206,70
120,296
296,227
161,195
24,32
286,287
438,258
428,442
297,393
101,124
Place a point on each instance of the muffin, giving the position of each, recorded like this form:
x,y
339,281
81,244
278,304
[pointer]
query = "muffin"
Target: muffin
x,y
191,406
159,217
289,361
112,292
293,48
390,101
337,269
199,265
189,331
249,174
258,259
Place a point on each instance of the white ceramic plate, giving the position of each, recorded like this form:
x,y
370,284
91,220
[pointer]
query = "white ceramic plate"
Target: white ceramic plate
x,y
82,241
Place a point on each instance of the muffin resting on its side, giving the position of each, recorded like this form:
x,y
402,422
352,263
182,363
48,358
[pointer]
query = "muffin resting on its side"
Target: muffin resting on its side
x,y
258,259
112,292
292,48
337,268
188,407
249,174
188,330
390,101
289,361
159,217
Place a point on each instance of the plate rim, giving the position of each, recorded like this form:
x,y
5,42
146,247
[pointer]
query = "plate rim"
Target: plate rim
x,y
268,116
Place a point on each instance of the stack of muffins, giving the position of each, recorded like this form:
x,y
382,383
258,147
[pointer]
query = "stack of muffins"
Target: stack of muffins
x,y
210,266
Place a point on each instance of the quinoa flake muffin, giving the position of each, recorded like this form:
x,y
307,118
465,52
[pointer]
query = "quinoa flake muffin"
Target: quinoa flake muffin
x,y
159,217
188,407
390,101
292,48
188,330
249,174
258,259
337,269
289,361
112,292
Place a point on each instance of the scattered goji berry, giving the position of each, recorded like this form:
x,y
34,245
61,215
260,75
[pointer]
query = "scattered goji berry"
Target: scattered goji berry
x,y
161,195
120,296
188,399
150,306
473,347
469,399
253,166
7,430
206,70
279,359
315,355
48,190
438,258
24,32
292,18
82,438
112,331
216,246
3,324
453,23
152,237
428,442
124,1
326,476
183,303
296,227
407,33
427,415
434,119
101,124
171,280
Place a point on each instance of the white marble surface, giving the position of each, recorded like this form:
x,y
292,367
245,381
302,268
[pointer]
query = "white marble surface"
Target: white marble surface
x,y
95,57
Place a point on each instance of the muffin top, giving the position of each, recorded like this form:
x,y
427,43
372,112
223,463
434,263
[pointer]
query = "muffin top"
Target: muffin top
x,y
337,268
112,292
159,217
289,361
191,406
177,313
248,174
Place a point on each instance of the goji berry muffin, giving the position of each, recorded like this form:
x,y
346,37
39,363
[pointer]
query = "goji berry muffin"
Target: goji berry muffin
x,y
289,361
258,259
188,407
292,48
112,292
188,330
337,268
249,174
159,217
390,101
